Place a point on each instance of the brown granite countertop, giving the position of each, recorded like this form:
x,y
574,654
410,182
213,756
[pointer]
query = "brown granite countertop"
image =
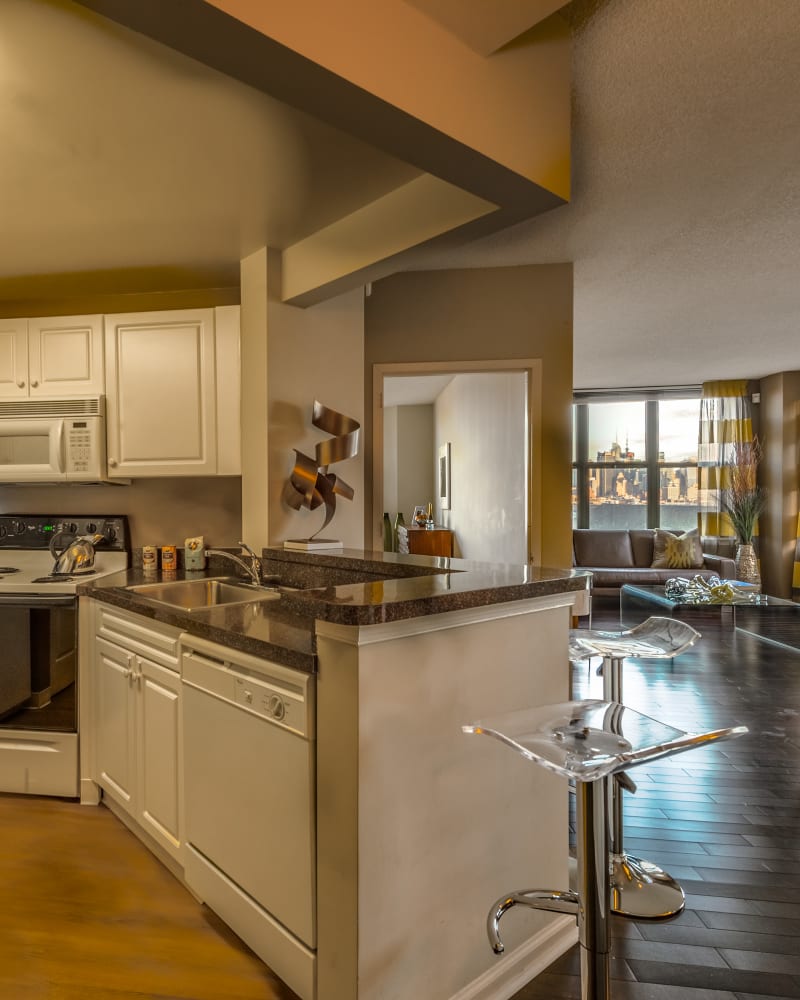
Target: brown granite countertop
x,y
343,586
261,628
369,588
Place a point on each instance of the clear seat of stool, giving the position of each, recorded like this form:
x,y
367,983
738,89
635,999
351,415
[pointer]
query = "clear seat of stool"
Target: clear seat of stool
x,y
640,888
588,742
655,638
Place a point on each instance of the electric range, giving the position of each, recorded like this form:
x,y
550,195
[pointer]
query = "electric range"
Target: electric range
x,y
39,645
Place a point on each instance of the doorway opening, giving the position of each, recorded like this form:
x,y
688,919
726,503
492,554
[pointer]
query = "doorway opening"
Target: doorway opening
x,y
485,418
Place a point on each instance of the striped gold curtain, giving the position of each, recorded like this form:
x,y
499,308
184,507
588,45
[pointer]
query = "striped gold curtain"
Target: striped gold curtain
x,y
725,420
796,569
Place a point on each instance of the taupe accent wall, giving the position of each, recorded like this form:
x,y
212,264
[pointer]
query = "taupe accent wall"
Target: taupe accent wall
x,y
779,431
487,314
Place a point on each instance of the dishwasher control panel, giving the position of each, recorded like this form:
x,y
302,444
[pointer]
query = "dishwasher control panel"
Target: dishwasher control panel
x,y
277,694
271,702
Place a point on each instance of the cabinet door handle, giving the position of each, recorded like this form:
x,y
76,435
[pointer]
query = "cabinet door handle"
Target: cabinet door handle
x,y
112,462
127,673
20,385
34,384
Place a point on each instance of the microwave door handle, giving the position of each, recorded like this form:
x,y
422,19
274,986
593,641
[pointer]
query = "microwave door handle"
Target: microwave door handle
x,y
60,446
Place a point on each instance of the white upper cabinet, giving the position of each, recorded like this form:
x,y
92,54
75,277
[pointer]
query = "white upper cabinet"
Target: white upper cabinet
x,y
53,356
165,406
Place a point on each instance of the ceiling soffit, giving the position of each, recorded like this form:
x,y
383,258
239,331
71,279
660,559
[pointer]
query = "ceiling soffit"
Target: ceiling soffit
x,y
485,28
497,128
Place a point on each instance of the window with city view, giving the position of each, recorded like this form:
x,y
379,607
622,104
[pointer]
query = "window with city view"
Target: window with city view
x,y
635,463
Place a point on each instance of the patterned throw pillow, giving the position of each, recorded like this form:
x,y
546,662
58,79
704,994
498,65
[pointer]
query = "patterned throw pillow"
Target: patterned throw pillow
x,y
677,551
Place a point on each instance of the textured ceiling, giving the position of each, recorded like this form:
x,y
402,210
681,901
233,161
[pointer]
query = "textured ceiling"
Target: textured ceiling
x,y
684,222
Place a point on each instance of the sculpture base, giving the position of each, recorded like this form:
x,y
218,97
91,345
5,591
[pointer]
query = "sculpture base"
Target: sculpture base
x,y
310,544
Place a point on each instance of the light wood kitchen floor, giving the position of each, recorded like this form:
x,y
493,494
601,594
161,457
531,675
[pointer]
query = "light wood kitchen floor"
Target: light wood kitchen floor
x,y
87,913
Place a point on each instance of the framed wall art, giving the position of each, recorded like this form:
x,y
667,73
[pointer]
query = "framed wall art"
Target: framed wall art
x,y
444,476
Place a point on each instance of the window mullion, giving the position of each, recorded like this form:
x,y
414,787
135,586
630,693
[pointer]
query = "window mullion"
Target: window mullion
x,y
582,463
651,439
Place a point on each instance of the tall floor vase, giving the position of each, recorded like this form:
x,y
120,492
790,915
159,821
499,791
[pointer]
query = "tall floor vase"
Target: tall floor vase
x,y
747,564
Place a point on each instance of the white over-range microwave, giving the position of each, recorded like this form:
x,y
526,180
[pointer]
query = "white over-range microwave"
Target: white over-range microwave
x,y
53,440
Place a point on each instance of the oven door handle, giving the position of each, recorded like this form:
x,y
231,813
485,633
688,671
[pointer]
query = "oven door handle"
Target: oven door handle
x,y
36,600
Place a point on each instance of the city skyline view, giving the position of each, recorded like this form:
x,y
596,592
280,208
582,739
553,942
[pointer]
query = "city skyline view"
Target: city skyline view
x,y
617,476
624,424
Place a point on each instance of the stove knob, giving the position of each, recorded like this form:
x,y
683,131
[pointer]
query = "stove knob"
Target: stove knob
x,y
3,531
109,531
91,527
18,527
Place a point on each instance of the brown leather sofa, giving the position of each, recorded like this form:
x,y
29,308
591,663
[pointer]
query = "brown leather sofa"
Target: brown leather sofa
x,y
617,556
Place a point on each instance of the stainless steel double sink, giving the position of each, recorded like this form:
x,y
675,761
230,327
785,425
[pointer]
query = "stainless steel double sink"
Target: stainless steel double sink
x,y
200,595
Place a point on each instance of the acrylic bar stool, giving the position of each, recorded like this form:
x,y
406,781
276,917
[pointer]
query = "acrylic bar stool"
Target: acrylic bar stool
x,y
588,742
639,888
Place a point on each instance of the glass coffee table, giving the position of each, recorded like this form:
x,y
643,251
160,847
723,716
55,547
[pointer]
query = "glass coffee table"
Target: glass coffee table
x,y
771,618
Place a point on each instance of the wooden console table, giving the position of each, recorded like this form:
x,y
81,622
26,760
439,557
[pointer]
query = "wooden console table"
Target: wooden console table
x,y
430,542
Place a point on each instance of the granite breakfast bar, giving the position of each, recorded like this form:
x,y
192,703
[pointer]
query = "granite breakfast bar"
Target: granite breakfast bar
x,y
418,829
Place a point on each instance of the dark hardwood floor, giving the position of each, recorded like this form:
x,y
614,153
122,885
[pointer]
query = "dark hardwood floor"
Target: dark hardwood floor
x,y
88,914
723,821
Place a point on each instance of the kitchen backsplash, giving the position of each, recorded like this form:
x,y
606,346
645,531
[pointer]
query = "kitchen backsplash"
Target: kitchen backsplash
x,y
160,511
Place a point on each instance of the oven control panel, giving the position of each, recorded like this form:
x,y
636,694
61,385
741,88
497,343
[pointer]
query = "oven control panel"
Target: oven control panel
x,y
34,531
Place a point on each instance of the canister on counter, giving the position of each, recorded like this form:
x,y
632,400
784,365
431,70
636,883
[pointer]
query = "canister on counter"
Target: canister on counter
x,y
194,553
150,559
169,559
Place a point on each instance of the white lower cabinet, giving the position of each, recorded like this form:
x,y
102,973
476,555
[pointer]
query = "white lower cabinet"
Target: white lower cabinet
x,y
138,724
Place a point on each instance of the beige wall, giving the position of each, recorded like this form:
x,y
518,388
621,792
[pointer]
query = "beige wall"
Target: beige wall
x,y
414,458
483,314
779,430
314,353
390,502
484,417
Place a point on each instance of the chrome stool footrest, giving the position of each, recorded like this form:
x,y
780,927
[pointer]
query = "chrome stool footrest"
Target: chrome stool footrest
x,y
554,900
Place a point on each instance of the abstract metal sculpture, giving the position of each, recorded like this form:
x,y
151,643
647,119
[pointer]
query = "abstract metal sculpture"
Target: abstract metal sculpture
x,y
310,484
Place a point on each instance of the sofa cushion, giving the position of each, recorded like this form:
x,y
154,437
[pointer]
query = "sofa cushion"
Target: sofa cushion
x,y
642,545
677,551
598,547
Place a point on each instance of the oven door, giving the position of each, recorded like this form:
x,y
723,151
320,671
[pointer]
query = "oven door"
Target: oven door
x,y
38,697
32,450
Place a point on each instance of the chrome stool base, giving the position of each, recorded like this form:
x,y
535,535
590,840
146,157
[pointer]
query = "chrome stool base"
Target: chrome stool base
x,y
642,890
639,888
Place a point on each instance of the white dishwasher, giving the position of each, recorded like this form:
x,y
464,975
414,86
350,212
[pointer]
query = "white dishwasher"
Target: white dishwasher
x,y
249,788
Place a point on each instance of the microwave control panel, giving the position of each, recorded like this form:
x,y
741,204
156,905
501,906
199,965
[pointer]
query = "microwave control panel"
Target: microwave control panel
x,y
83,445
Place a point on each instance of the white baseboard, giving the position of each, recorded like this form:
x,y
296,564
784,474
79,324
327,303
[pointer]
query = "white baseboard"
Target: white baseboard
x,y
90,792
515,970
